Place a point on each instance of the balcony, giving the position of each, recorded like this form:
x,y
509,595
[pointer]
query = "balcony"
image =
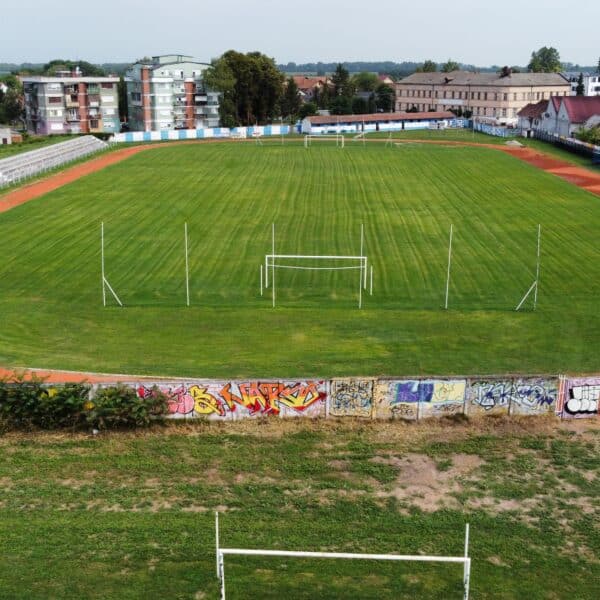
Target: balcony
x,y
70,103
93,99
72,116
200,98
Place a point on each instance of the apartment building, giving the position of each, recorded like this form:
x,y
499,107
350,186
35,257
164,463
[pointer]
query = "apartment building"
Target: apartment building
x,y
591,82
496,97
71,103
168,92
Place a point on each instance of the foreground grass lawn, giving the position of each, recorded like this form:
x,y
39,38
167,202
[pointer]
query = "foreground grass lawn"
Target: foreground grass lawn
x,y
229,194
131,515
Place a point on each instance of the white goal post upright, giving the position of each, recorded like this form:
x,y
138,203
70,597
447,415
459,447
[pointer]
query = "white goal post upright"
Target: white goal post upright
x,y
449,263
535,284
105,283
222,552
187,266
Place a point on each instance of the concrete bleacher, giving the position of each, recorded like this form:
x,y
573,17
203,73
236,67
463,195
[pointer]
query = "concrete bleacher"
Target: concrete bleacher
x,y
15,169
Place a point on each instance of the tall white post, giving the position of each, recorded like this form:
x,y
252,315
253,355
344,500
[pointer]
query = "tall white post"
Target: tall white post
x,y
102,252
360,284
187,267
371,290
273,263
362,244
217,542
261,280
467,565
449,263
537,270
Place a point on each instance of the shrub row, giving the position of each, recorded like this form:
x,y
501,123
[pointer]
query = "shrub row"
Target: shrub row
x,y
34,404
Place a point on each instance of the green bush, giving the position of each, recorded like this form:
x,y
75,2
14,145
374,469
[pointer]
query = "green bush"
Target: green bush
x,y
35,404
120,406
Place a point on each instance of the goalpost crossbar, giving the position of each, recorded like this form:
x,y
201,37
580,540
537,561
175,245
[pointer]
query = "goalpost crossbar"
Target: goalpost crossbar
x,y
465,560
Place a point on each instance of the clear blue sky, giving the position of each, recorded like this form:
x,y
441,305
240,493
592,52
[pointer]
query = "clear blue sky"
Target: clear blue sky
x,y
472,31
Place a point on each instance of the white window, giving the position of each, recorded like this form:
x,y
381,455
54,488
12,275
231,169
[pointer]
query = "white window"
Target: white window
x,y
108,99
109,112
56,127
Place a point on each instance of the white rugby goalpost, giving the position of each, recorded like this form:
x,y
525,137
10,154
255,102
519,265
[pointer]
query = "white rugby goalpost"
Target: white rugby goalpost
x,y
358,263
222,552
535,284
338,137
106,285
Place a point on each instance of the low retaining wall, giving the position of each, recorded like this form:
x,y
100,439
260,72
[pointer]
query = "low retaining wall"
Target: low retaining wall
x,y
409,399
200,134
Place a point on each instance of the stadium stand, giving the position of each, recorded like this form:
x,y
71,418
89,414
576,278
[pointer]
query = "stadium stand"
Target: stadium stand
x,y
28,164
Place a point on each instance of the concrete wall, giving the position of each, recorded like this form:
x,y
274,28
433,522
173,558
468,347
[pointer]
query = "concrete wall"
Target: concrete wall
x,y
372,398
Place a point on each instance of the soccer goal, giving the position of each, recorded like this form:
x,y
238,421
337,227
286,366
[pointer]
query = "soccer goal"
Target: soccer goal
x,y
338,137
325,262
222,552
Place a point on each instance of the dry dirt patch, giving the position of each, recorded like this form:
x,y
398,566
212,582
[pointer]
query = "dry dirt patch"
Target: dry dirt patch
x,y
421,484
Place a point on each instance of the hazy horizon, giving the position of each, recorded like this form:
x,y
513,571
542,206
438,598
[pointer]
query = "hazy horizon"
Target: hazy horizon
x,y
396,31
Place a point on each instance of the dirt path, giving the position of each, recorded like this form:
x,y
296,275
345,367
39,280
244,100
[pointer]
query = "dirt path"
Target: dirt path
x,y
51,376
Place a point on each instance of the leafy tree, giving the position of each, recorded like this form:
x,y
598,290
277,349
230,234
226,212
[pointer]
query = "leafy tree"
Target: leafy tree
x,y
385,97
11,107
87,69
307,110
591,135
545,60
580,89
359,106
122,95
322,96
250,84
427,67
290,100
450,66
598,67
341,105
342,85
365,81
371,104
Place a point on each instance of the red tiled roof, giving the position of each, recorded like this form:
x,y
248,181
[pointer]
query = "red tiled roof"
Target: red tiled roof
x,y
381,117
308,83
581,108
533,111
556,102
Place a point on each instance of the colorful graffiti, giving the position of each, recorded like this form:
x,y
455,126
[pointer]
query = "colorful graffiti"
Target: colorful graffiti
x,y
231,400
353,397
519,396
579,397
415,399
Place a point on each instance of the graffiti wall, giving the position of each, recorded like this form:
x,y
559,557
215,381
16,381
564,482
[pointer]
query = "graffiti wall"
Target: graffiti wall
x,y
578,397
351,398
414,399
218,400
409,399
511,396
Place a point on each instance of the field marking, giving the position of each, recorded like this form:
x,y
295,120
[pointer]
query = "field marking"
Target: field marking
x,y
578,176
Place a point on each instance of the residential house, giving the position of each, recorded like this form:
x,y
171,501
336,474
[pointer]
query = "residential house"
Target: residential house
x,y
71,103
168,92
308,87
577,112
530,117
496,98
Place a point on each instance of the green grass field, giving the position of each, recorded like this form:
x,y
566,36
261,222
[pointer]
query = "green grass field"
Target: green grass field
x,y
127,516
229,194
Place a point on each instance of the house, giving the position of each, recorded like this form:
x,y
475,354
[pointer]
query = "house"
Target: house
x,y
5,136
577,112
385,79
168,92
308,85
324,124
498,97
530,117
71,103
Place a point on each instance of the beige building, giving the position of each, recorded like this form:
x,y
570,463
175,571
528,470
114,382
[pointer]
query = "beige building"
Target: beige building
x,y
494,96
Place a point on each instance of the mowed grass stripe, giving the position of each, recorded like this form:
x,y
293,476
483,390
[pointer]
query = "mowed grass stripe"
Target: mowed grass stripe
x,y
229,195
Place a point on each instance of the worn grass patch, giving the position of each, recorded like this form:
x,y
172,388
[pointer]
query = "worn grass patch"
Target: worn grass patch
x,y
132,514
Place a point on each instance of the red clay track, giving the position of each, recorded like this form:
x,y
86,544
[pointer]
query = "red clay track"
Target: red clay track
x,y
51,376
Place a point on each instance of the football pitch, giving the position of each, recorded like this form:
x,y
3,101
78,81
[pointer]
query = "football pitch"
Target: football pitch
x,y
230,194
